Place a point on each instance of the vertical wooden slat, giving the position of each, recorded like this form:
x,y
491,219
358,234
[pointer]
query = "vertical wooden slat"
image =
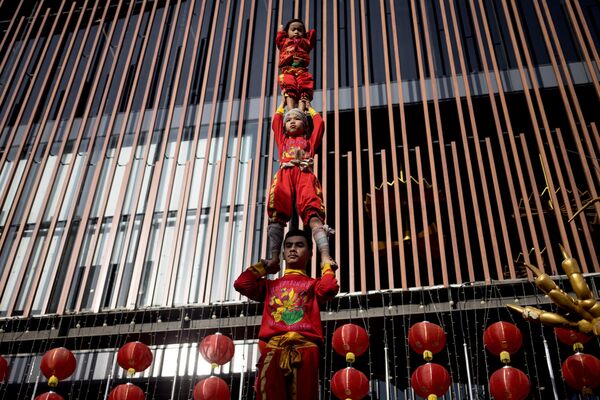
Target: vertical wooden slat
x,y
575,191
13,134
582,43
463,214
393,146
19,64
337,221
173,258
197,129
35,187
87,110
404,141
259,129
505,114
424,218
235,159
388,227
351,257
152,193
13,35
9,34
536,125
21,196
157,250
572,124
370,150
83,222
120,202
358,150
102,200
428,130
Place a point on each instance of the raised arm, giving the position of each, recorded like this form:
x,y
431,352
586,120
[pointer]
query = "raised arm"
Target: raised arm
x,y
251,283
311,35
327,287
277,124
318,127
281,36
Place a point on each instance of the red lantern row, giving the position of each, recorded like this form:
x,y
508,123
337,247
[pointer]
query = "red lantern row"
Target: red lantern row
x,y
426,338
349,384
49,396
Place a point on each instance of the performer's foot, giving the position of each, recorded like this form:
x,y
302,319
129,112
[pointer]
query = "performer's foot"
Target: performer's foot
x,y
272,266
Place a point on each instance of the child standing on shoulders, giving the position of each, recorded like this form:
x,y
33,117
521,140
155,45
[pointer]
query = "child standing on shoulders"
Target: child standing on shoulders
x,y
295,44
295,180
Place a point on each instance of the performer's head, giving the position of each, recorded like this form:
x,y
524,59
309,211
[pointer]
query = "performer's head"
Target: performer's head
x,y
297,249
295,28
295,122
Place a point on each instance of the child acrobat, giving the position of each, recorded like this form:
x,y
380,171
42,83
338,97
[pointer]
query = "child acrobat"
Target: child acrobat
x,y
295,44
295,180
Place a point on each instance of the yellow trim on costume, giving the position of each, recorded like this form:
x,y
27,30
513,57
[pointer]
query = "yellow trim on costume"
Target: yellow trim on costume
x,y
312,112
258,269
293,271
326,269
263,372
280,110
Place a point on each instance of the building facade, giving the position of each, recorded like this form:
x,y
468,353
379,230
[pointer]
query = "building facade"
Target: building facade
x,y
136,154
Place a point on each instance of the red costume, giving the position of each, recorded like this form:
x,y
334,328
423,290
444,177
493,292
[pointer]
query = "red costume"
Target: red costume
x,y
294,57
295,178
291,327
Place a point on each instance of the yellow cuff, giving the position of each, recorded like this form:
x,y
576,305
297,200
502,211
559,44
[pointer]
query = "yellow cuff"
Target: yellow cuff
x,y
258,269
326,269
281,110
312,112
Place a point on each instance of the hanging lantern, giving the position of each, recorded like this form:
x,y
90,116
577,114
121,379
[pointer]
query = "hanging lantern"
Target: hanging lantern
x,y
350,340
49,396
503,339
58,364
217,349
426,338
3,368
572,338
134,357
582,372
430,381
349,384
211,388
126,391
509,383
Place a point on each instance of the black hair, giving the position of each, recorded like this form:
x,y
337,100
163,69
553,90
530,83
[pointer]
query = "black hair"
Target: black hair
x,y
291,21
299,232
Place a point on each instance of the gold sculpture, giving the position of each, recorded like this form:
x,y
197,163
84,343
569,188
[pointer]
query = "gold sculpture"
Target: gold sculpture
x,y
583,311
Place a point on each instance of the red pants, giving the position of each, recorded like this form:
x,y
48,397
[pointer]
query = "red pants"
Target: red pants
x,y
301,384
296,82
304,186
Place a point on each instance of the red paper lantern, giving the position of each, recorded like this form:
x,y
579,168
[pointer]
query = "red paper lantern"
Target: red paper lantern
x,y
509,383
430,379
502,339
126,391
134,357
582,372
58,364
426,338
49,396
217,349
3,368
350,340
211,388
572,338
349,384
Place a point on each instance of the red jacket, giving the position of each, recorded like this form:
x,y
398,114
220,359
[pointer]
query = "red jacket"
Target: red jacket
x,y
293,50
289,145
291,302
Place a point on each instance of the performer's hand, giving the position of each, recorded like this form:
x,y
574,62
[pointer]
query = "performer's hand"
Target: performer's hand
x,y
271,266
281,28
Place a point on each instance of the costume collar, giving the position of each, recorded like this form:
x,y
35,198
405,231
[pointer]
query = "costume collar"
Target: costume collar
x,y
294,271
